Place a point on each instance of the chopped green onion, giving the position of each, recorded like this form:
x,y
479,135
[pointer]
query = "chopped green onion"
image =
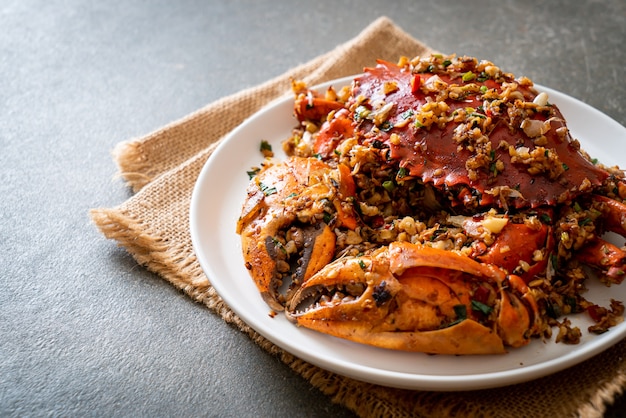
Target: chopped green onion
x,y
402,172
407,114
481,307
265,146
389,185
386,126
483,89
553,310
253,172
545,218
554,260
460,311
362,264
267,190
571,302
468,76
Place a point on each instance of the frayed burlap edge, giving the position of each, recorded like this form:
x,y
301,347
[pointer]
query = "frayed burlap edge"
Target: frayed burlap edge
x,y
605,395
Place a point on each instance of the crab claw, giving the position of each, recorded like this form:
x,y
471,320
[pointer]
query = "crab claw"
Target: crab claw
x,y
284,227
332,132
607,258
417,298
310,105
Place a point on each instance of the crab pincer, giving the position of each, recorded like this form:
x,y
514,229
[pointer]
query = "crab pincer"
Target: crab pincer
x,y
285,225
417,298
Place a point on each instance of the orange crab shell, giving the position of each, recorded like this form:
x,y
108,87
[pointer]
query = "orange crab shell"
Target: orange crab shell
x,y
410,301
434,154
285,194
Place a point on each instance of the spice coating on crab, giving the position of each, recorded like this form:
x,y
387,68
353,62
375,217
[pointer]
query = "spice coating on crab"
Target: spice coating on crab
x,y
437,205
483,140
465,126
416,298
287,203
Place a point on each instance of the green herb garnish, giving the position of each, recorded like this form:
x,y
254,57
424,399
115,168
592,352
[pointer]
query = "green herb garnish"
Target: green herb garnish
x,y
468,76
267,190
265,146
253,172
389,185
481,307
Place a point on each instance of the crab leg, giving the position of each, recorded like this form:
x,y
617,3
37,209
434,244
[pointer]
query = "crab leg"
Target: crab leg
x,y
614,218
332,132
608,258
311,106
518,248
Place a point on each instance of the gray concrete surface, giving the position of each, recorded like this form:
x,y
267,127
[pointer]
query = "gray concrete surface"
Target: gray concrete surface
x,y
84,331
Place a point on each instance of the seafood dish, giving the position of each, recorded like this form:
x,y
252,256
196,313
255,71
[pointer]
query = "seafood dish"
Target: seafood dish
x,y
437,205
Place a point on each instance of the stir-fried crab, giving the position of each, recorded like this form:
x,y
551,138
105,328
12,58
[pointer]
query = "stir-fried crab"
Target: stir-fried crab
x,y
446,153
418,298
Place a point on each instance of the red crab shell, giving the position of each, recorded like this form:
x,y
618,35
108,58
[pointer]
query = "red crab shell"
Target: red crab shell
x,y
481,127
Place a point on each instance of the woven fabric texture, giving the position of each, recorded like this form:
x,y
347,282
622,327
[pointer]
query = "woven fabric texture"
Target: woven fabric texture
x,y
152,225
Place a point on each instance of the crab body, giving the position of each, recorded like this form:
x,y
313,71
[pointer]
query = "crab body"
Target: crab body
x,y
437,205
488,139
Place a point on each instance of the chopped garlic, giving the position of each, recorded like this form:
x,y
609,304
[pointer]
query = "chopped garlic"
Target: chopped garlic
x,y
494,224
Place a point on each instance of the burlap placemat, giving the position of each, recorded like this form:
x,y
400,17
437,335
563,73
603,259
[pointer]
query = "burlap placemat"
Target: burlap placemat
x,y
152,225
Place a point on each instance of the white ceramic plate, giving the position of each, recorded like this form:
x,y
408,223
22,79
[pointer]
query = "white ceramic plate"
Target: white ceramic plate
x,y
215,207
